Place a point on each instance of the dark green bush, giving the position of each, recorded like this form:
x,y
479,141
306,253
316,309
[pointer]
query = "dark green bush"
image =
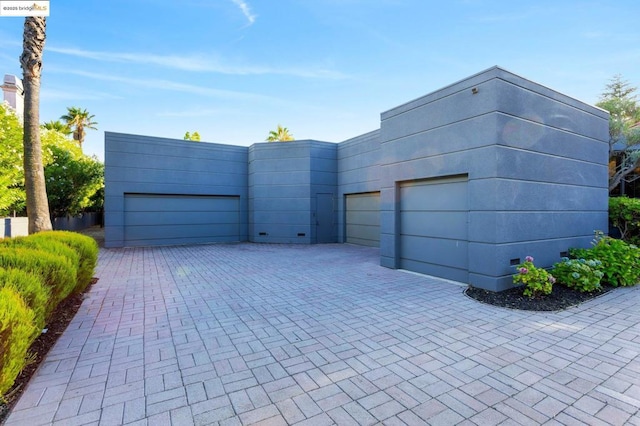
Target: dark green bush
x,y
620,261
86,248
31,288
624,214
17,332
57,272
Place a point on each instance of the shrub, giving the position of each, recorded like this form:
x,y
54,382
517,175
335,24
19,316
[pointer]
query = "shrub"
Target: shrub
x,y
580,274
86,248
57,272
44,244
17,332
537,281
624,214
620,261
32,290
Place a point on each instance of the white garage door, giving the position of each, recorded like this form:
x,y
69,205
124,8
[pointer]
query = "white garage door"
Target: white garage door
x,y
434,228
159,219
363,219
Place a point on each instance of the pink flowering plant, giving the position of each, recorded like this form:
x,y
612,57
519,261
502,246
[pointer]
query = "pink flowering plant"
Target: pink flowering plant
x,y
537,281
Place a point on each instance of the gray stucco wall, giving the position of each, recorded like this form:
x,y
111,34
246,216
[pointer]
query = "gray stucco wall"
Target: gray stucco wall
x,y
358,171
149,165
284,180
536,162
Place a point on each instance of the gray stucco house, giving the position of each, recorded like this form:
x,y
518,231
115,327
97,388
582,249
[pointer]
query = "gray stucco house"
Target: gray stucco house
x,y
462,183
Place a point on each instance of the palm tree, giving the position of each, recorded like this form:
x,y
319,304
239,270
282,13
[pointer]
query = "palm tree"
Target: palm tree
x,y
34,37
79,119
281,134
57,126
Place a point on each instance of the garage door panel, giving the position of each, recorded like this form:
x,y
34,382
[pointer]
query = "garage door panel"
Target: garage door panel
x,y
363,201
181,218
434,227
440,251
167,232
366,235
436,224
162,219
362,219
147,203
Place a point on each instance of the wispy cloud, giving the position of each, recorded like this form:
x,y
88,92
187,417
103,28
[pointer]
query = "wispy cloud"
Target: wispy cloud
x,y
246,10
74,95
197,63
160,84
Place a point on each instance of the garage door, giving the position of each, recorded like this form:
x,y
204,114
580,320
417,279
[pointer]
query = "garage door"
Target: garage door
x,y
434,228
155,219
363,219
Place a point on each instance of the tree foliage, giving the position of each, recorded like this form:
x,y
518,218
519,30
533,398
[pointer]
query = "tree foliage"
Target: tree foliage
x,y
195,136
624,128
58,126
74,181
281,134
12,196
78,120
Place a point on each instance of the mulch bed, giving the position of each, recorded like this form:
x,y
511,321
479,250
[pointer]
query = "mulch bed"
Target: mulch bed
x,y
61,318
560,298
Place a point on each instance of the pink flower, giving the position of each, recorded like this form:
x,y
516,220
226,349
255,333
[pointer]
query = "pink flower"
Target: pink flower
x,y
552,279
529,259
523,271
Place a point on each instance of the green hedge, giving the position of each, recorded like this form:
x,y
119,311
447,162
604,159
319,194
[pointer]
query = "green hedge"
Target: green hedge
x,y
56,271
17,332
32,289
36,274
86,248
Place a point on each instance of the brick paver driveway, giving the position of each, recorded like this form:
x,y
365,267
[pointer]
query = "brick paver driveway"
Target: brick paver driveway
x,y
282,334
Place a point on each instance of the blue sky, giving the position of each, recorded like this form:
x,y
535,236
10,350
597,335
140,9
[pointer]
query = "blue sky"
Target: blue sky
x,y
234,69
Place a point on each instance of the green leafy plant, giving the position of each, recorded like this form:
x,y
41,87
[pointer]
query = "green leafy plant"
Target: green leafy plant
x,y
580,274
624,214
620,261
537,281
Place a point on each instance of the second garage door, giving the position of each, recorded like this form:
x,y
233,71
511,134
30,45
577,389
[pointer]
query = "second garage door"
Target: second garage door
x,y
363,219
434,227
162,219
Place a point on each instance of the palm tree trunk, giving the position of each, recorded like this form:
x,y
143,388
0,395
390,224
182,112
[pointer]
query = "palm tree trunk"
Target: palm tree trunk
x,y
35,188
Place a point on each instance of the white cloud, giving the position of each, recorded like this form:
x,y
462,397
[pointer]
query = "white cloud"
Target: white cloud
x,y
197,63
159,84
246,10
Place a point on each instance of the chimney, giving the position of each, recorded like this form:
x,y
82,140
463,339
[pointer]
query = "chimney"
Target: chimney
x,y
13,94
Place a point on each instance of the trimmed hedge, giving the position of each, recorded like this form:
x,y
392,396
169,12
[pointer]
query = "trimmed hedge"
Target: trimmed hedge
x,y
32,289
17,332
57,272
86,248
36,274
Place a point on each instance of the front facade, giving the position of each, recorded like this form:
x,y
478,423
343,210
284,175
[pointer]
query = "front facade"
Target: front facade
x,y
462,183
